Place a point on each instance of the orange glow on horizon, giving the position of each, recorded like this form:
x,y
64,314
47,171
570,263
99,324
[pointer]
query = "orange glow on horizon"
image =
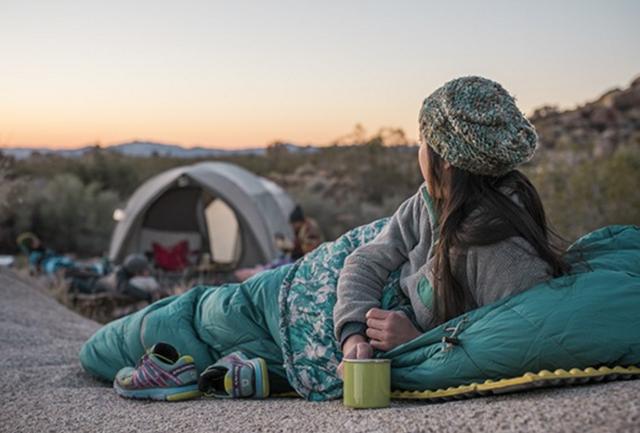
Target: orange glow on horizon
x,y
234,75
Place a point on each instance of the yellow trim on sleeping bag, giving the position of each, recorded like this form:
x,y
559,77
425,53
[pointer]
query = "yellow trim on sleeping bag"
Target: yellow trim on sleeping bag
x,y
527,381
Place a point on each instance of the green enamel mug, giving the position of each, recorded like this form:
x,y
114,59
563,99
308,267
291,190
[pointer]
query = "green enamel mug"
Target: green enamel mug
x,y
367,383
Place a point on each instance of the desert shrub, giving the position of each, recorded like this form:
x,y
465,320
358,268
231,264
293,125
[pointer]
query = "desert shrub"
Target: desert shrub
x,y
111,171
336,217
69,201
596,192
346,186
8,203
68,215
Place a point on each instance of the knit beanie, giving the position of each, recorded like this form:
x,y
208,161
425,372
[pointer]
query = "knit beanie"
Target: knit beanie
x,y
473,123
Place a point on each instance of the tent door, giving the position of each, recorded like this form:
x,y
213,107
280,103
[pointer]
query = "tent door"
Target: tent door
x,y
224,232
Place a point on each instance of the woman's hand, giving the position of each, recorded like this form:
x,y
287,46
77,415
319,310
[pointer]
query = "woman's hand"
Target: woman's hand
x,y
355,347
388,329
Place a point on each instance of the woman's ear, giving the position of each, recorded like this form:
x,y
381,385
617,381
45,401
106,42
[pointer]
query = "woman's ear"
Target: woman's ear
x,y
447,166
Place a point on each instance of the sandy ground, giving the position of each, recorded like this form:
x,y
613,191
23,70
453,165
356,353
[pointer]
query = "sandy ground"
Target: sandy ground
x,y
44,389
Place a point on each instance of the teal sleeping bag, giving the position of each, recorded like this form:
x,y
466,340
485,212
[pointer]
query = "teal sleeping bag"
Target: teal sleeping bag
x,y
205,322
588,318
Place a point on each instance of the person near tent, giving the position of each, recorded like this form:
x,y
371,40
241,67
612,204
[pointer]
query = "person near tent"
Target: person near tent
x,y
42,259
308,234
307,238
284,246
451,288
31,246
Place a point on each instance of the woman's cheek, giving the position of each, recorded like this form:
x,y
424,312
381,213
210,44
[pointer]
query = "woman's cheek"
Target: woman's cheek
x,y
422,160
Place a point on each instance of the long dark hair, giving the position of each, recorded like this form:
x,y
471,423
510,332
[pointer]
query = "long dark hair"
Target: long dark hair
x,y
480,210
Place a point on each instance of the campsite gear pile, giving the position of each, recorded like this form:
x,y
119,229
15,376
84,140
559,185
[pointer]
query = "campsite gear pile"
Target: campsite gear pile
x,y
132,279
113,292
285,317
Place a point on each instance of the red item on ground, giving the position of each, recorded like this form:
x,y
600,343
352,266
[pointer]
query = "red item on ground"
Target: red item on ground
x,y
172,258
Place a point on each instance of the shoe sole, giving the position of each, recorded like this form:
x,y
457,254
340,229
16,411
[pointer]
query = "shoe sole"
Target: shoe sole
x,y
163,394
262,378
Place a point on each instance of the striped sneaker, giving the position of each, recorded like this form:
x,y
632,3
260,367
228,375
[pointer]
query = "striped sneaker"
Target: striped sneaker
x,y
236,376
161,374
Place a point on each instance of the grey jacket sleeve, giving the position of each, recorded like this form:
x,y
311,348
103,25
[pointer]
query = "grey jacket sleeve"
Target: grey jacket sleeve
x,y
503,269
351,328
366,269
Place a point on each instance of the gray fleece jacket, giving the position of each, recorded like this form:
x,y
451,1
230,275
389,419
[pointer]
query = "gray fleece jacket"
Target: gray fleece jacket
x,y
490,272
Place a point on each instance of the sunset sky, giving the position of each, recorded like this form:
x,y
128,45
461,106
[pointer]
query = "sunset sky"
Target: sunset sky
x,y
244,73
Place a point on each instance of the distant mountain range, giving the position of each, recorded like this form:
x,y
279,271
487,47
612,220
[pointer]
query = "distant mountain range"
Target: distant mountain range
x,y
147,149
600,126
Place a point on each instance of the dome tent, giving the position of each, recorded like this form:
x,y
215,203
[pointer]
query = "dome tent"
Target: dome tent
x,y
218,208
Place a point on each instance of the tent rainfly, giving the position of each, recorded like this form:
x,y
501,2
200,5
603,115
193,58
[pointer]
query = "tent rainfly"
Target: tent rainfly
x,y
218,208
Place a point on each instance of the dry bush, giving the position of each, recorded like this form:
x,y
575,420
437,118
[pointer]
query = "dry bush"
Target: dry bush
x,y
66,214
582,197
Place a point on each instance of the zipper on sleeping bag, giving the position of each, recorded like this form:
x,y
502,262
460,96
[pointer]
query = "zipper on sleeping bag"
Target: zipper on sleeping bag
x,y
448,341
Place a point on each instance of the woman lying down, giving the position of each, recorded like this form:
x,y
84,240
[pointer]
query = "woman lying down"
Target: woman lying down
x,y
474,233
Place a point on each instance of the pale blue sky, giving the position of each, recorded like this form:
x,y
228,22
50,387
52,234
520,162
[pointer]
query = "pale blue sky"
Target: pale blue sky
x,y
244,73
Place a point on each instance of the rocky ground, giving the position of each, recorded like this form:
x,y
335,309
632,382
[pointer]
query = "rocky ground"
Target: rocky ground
x,y
596,128
43,389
